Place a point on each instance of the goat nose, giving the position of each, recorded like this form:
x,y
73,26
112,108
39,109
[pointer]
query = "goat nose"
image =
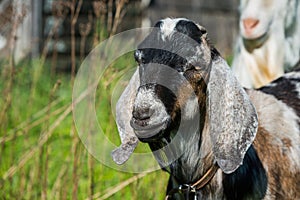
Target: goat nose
x,y
142,113
250,23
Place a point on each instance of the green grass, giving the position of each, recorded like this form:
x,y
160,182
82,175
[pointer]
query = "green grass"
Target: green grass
x,y
30,171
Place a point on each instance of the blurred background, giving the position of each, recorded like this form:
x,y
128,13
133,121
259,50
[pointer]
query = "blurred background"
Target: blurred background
x,y
42,45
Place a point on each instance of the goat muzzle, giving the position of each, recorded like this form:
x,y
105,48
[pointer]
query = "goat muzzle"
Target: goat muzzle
x,y
149,116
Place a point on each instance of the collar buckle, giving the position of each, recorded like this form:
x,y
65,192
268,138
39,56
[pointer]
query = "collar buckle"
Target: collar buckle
x,y
187,189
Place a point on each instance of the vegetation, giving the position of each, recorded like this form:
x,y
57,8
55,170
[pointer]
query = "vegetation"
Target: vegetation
x,y
41,155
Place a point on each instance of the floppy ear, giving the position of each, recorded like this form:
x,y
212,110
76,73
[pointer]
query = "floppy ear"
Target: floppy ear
x,y
124,109
233,119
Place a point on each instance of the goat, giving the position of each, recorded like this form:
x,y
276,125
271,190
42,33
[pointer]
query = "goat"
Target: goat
x,y
216,139
269,41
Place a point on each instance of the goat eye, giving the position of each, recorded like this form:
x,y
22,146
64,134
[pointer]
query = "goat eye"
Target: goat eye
x,y
139,56
202,30
179,69
189,67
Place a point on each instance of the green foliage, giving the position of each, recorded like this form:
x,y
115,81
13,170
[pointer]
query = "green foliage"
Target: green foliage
x,y
32,167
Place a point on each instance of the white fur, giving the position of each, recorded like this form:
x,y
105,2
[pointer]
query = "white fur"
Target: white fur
x,y
298,89
147,99
168,26
280,121
191,108
294,75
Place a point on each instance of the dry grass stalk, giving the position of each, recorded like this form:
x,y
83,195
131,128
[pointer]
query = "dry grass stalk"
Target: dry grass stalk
x,y
45,148
74,17
59,11
110,15
90,162
55,193
49,37
84,30
65,190
39,165
38,114
19,12
90,132
52,32
91,176
44,53
45,136
100,9
30,184
114,189
10,72
44,181
76,158
23,182
120,12
76,147
54,55
23,129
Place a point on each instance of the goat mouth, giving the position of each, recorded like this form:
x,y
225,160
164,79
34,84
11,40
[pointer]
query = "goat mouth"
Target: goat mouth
x,y
146,131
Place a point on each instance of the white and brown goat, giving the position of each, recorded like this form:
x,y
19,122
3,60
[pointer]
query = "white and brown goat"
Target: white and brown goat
x,y
216,139
269,40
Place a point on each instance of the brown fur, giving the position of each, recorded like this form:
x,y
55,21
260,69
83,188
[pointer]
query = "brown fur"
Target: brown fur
x,y
276,144
282,182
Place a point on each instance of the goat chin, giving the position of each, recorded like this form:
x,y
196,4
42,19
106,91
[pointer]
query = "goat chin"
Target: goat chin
x,y
205,117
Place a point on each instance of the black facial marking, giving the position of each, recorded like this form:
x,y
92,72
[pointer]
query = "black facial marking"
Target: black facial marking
x,y
160,56
167,96
172,51
190,29
158,24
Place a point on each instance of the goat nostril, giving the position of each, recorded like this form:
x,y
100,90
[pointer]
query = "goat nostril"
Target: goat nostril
x,y
142,114
141,117
250,23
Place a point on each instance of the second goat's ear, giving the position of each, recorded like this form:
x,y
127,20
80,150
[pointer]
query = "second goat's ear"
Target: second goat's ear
x,y
233,119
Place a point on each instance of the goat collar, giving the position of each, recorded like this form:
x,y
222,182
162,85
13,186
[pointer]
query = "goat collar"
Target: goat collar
x,y
188,189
